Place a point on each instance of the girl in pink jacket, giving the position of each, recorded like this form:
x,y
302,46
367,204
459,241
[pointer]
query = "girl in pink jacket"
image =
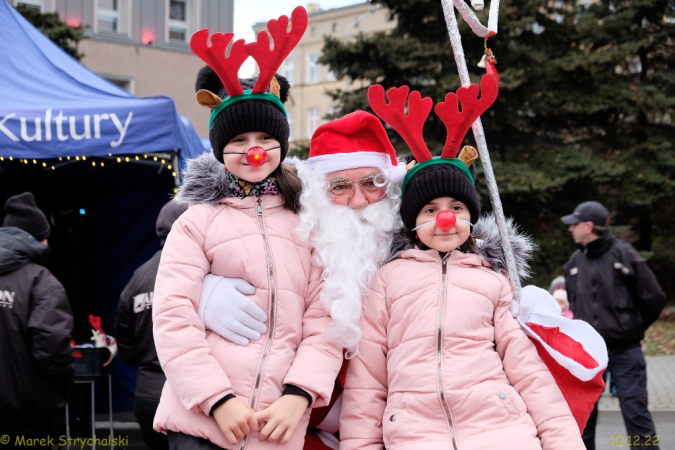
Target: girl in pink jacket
x,y
442,363
241,224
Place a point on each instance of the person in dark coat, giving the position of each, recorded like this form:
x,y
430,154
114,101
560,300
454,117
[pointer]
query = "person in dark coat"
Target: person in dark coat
x,y
135,343
37,367
610,286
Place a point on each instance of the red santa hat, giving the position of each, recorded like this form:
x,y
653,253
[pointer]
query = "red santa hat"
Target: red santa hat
x,y
351,142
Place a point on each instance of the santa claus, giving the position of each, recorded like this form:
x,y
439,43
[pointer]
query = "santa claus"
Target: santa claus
x,y
349,213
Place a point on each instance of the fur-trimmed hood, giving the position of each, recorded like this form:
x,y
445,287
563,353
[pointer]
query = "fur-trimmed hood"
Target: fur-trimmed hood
x,y
489,245
204,181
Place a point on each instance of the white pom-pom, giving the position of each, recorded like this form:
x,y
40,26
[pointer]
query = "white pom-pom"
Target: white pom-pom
x,y
396,173
478,5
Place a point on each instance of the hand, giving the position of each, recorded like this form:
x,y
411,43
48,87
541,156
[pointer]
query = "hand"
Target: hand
x,y
225,309
235,419
281,418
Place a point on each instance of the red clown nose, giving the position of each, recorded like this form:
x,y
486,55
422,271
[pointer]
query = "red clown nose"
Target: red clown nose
x,y
256,156
445,220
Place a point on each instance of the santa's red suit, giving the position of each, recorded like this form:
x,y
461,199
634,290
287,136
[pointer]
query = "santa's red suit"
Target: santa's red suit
x,y
324,423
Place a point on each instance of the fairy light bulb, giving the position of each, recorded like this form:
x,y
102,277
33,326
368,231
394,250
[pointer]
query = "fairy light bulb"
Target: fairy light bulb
x,y
256,156
445,220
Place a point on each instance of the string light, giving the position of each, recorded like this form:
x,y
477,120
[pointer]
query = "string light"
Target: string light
x,y
154,159
11,158
173,174
77,158
60,158
2,158
68,158
102,164
169,166
126,159
44,164
53,167
145,156
119,159
84,158
93,163
34,162
163,161
136,157
109,154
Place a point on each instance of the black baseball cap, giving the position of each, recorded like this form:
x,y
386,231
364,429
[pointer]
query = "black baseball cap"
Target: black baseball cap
x,y
588,212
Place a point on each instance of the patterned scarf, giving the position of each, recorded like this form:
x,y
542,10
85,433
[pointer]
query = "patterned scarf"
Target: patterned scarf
x,y
242,188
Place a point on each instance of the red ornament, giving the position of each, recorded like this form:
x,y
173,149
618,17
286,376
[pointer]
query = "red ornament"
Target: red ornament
x,y
445,220
256,156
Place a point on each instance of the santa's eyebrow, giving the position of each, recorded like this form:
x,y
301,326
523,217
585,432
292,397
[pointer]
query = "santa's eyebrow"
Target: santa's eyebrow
x,y
342,180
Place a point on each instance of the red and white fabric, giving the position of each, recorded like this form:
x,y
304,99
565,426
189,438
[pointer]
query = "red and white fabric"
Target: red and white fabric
x,y
573,351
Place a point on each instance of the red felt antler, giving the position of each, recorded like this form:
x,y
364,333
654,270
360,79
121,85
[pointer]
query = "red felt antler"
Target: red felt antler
x,y
410,125
285,41
458,123
227,68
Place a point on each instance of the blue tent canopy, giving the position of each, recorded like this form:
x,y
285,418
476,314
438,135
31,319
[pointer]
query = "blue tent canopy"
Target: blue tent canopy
x,y
52,106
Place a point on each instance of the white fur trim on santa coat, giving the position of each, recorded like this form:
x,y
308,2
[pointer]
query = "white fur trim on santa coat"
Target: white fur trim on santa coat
x,y
355,160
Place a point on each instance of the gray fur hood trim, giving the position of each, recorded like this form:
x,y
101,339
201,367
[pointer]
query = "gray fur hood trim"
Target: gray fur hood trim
x,y
204,181
490,245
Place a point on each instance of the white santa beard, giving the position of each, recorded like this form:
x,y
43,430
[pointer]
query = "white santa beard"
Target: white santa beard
x,y
350,245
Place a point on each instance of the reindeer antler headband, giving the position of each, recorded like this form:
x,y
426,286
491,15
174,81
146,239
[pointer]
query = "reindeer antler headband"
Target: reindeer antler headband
x,y
457,122
269,60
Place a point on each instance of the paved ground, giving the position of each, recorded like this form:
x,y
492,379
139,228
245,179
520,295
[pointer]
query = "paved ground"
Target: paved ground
x,y
611,433
660,385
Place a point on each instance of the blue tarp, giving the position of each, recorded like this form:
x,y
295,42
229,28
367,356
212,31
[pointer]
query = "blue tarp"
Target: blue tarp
x,y
52,106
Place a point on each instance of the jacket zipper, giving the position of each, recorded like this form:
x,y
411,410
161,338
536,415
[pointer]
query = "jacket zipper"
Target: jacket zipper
x,y
439,351
270,333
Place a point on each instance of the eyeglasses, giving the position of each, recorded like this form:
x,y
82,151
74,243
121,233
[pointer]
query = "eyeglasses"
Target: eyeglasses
x,y
342,191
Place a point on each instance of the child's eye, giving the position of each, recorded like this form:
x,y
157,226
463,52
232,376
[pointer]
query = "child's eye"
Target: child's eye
x,y
267,137
237,139
456,208
429,210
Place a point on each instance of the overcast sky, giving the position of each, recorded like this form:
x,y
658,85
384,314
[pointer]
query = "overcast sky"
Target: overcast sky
x,y
248,12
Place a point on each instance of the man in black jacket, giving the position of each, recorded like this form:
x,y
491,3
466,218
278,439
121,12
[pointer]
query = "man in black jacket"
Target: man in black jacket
x,y
135,342
36,359
610,286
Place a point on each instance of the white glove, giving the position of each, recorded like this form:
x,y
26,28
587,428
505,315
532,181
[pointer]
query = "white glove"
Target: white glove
x,y
532,297
225,309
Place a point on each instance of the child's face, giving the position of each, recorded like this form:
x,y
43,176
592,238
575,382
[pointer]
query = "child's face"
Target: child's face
x,y
560,295
239,145
434,237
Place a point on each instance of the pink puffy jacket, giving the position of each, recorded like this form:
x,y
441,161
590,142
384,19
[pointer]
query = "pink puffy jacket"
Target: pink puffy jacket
x,y
443,365
254,239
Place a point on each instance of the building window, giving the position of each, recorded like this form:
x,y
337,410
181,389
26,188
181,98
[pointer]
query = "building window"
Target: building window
x,y
288,69
178,20
334,27
313,68
312,121
312,31
332,75
289,116
31,4
108,16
